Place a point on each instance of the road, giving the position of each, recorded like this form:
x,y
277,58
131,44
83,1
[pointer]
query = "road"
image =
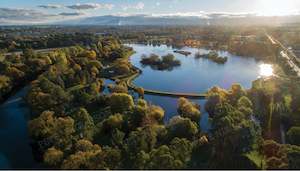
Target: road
x,y
286,53
290,58
38,51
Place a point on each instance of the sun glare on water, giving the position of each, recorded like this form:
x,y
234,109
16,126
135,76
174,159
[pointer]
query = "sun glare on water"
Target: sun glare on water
x,y
266,70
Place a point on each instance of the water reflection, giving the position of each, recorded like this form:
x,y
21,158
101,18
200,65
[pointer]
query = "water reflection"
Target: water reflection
x,y
266,70
194,76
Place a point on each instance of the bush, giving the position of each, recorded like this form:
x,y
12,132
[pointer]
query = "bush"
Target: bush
x,y
293,135
121,102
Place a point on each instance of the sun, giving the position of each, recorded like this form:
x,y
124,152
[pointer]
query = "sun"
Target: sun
x,y
266,70
275,7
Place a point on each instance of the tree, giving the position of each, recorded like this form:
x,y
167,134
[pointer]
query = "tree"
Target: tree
x,y
113,122
188,109
83,157
275,155
15,73
142,103
293,135
96,63
162,158
86,146
214,97
233,135
63,132
109,131
109,158
139,113
293,156
61,61
181,149
181,128
82,97
58,130
244,102
29,53
144,139
91,54
5,85
122,69
141,161
46,95
201,154
235,93
118,88
140,92
245,106
169,58
53,157
121,102
295,100
76,161
155,112
84,124
43,126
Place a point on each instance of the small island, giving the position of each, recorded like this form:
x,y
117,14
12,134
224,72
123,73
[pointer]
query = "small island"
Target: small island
x,y
167,62
212,55
182,52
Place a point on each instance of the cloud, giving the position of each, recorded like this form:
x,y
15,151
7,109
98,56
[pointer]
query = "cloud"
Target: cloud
x,y
138,6
205,15
20,13
229,15
10,16
51,6
71,14
88,6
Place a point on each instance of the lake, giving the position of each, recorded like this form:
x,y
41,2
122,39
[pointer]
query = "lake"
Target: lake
x,y
193,76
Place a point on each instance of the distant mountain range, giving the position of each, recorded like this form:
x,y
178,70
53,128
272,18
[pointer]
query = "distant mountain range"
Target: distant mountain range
x,y
216,19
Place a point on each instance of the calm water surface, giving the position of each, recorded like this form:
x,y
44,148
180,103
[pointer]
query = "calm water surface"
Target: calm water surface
x,y
193,76
15,149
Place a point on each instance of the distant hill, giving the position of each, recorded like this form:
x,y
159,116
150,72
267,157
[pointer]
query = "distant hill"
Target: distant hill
x,y
182,20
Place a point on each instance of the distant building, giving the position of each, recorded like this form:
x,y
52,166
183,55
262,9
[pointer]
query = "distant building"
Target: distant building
x,y
191,42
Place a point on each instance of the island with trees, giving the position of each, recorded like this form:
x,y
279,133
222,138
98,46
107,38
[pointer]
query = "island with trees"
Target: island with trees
x,y
212,55
166,62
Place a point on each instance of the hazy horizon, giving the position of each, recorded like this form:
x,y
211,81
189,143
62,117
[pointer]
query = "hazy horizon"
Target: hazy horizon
x,y
51,11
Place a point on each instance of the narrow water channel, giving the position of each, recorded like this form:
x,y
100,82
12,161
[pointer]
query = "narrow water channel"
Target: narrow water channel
x,y
15,149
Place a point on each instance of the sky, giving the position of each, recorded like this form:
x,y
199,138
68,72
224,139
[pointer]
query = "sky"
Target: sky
x,y
38,11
